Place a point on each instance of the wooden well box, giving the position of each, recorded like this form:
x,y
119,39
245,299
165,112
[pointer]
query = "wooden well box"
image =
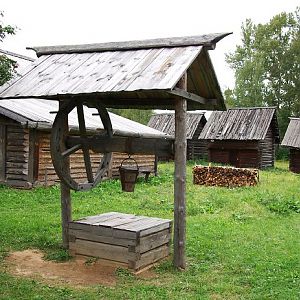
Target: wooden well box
x,y
136,241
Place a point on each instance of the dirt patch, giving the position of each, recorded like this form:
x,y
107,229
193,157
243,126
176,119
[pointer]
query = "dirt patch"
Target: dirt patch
x,y
76,272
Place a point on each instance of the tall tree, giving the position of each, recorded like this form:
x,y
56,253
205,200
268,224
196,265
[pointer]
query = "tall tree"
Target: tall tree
x,y
7,65
267,66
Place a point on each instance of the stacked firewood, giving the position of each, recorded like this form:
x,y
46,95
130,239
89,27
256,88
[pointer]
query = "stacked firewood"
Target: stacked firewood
x,y
225,176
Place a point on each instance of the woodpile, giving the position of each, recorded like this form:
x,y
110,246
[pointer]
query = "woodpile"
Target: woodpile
x,y
225,176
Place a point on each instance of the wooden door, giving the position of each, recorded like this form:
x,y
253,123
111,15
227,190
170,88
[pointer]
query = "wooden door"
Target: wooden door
x,y
2,152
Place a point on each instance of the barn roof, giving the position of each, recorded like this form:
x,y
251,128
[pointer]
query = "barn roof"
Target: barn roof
x,y
36,113
127,74
292,134
241,124
165,122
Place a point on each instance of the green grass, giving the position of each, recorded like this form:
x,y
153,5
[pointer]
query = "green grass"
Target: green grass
x,y
242,243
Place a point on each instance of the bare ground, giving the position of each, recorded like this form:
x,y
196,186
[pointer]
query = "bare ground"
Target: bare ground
x,y
75,272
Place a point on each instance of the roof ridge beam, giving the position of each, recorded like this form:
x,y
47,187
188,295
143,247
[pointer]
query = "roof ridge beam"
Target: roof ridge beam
x,y
207,40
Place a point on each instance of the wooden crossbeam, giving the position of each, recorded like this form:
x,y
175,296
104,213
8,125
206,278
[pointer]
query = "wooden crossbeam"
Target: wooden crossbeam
x,y
130,145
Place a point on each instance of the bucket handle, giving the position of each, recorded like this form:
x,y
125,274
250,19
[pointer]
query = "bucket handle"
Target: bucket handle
x,y
129,158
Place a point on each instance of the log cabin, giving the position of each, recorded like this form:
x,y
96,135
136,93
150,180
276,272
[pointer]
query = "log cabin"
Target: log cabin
x,y
195,121
291,140
242,137
25,126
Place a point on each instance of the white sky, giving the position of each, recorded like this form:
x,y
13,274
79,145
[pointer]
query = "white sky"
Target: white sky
x,y
59,22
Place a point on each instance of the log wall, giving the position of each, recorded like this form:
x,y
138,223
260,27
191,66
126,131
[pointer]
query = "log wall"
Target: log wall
x,y
240,154
47,175
267,150
17,156
294,164
197,149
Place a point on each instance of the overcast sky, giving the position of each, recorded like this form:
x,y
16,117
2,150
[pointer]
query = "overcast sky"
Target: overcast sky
x,y
58,22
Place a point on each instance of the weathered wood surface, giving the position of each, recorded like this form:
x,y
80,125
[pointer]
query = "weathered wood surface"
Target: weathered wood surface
x,y
16,155
241,124
137,241
225,176
167,61
294,164
47,175
180,179
129,145
207,40
65,192
292,134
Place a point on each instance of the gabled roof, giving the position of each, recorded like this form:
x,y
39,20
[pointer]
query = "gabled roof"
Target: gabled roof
x,y
292,134
127,74
165,122
241,124
36,113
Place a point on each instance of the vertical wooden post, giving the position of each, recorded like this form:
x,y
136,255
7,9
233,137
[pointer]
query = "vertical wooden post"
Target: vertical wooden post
x,y
180,178
65,195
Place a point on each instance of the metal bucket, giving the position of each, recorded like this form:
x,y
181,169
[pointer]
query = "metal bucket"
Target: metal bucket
x,y
128,175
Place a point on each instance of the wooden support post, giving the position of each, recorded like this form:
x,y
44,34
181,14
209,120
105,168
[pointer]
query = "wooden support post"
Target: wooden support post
x,y
180,179
65,195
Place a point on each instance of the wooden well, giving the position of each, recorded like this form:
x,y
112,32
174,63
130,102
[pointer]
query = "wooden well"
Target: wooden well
x,y
136,241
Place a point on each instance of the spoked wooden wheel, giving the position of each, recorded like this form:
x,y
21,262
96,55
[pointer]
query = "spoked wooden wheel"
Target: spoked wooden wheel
x,y
61,152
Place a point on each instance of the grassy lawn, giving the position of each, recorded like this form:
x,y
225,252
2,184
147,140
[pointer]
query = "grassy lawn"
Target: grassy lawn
x,y
242,243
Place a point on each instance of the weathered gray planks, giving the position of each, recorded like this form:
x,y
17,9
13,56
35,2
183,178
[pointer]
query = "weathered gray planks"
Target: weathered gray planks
x,y
292,134
135,240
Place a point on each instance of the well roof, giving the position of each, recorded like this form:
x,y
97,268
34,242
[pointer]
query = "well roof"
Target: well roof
x,y
126,74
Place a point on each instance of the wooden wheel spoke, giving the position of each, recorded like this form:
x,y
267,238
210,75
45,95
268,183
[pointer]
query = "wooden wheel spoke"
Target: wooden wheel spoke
x,y
64,144
85,149
71,150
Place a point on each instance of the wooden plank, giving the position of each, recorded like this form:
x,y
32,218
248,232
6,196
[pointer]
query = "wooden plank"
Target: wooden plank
x,y
103,144
95,219
19,183
105,251
159,227
121,221
150,257
152,241
91,236
180,179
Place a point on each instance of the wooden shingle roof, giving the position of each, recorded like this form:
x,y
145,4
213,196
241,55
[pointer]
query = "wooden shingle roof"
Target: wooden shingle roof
x,y
127,74
241,124
36,113
292,134
165,122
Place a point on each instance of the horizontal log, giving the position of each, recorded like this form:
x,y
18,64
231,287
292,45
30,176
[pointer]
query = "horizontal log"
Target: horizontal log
x,y
129,145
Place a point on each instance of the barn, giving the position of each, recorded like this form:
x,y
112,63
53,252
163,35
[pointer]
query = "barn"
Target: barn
x,y
242,137
292,140
25,159
195,122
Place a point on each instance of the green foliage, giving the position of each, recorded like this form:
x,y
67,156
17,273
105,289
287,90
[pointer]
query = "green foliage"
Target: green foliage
x,y
7,65
242,243
138,115
267,66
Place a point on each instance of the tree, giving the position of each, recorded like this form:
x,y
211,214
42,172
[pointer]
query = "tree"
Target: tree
x,y
7,65
138,115
267,66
